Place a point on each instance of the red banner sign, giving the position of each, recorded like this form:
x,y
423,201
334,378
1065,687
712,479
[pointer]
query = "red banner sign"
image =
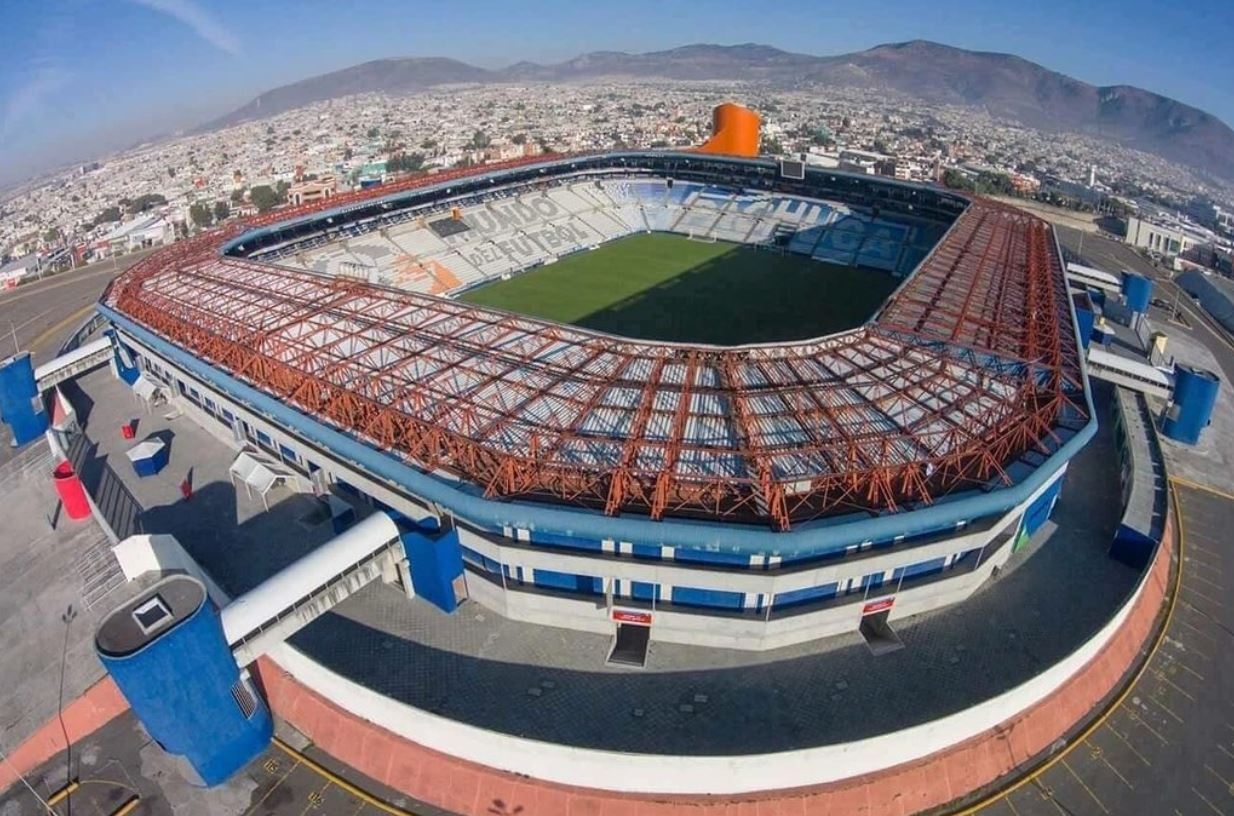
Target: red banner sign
x,y
630,616
881,605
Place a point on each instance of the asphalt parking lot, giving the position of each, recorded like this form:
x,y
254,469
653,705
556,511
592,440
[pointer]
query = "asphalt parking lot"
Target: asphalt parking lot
x,y
1167,746
120,764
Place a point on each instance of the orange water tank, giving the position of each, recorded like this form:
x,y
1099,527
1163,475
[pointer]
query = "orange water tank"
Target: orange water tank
x,y
734,131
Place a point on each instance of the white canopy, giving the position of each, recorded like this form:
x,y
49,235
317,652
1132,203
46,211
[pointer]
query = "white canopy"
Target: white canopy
x,y
258,473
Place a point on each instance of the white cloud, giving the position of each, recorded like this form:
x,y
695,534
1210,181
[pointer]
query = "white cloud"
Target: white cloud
x,y
46,80
196,18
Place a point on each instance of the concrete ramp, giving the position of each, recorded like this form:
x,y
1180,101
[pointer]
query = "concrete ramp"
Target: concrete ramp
x,y
288,601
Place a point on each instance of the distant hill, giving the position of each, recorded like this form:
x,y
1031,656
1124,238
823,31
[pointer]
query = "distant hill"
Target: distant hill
x,y
387,75
1003,84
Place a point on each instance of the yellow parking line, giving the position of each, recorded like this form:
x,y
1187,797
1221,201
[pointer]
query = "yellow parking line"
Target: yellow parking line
x,y
1216,491
1127,742
1175,661
315,798
1047,793
1085,786
338,781
1191,559
1099,755
1215,809
1164,707
1228,786
1206,598
1204,580
1197,630
1121,698
275,787
1161,676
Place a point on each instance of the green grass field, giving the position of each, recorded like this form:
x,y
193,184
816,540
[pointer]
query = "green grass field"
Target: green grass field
x,y
667,287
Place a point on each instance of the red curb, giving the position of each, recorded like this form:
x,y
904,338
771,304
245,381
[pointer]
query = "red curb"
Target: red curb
x,y
930,782
97,706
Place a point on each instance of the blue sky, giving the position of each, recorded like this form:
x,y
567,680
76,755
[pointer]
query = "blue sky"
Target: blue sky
x,y
81,77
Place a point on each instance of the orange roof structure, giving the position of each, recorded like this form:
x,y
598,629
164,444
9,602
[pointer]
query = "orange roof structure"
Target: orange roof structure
x,y
734,131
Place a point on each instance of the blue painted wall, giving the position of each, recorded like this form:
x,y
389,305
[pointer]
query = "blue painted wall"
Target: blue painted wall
x,y
435,563
180,687
21,405
1195,396
1138,290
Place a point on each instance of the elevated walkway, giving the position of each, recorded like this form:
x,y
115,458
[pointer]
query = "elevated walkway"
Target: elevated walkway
x,y
1132,374
1094,278
73,363
296,596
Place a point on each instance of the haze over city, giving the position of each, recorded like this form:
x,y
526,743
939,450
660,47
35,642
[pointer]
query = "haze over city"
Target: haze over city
x,y
83,77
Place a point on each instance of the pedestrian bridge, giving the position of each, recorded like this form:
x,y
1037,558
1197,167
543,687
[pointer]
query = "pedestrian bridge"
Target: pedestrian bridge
x,y
1133,374
73,364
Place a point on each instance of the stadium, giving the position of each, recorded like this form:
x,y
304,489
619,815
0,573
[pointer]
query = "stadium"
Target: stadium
x,y
625,476
893,420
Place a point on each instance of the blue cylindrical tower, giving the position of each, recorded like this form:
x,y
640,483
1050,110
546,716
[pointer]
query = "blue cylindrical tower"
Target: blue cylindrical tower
x,y
1195,395
21,404
166,651
1138,291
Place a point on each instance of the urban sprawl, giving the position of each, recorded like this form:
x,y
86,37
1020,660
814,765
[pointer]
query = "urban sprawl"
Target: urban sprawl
x,y
158,193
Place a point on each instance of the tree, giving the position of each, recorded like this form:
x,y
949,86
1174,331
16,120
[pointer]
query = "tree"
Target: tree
x,y
52,235
519,138
145,202
264,197
237,196
221,211
480,139
171,172
957,180
373,133
200,214
107,216
771,146
405,163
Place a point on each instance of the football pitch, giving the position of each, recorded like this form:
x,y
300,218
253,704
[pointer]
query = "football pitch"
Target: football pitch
x,y
668,287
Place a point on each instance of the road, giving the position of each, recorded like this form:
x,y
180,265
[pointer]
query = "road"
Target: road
x,y
1115,256
39,317
43,314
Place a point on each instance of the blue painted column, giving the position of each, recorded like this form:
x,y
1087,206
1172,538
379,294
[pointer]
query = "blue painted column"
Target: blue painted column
x,y
21,404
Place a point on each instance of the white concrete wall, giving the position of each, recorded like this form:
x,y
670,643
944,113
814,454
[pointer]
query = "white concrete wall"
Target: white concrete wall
x,y
647,773
140,554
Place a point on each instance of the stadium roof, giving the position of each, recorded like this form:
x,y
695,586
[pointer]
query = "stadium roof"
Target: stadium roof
x,y
971,367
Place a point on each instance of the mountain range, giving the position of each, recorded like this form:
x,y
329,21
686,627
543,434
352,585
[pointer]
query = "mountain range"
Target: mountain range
x,y
1002,84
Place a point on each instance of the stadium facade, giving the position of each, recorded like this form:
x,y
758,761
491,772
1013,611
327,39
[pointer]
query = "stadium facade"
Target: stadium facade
x,y
744,497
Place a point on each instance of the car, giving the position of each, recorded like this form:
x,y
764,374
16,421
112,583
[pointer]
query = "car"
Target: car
x,y
1160,304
